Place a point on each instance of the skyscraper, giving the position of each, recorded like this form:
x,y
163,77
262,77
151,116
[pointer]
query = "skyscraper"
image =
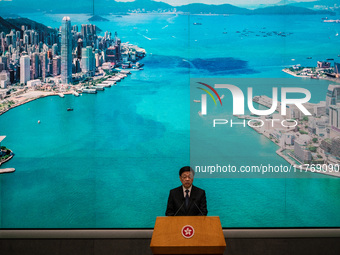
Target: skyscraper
x,y
332,97
118,47
337,68
88,60
66,51
56,65
79,47
24,69
44,64
334,117
34,66
3,60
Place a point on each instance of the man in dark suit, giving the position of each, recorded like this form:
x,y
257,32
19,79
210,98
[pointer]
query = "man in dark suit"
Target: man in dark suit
x,y
186,200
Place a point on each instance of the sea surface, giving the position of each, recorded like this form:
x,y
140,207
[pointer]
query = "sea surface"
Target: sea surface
x,y
111,162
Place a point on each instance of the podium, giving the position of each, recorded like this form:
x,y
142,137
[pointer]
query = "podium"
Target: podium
x,y
188,235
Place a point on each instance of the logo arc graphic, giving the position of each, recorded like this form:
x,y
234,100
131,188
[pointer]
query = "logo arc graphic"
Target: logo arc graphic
x,y
208,94
213,90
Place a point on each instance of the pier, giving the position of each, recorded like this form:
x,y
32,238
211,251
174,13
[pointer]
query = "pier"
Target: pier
x,y
266,101
299,167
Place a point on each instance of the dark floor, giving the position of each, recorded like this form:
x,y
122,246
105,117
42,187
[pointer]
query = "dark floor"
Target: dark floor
x,y
140,246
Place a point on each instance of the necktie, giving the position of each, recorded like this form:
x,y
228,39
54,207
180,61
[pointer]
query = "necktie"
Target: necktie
x,y
187,198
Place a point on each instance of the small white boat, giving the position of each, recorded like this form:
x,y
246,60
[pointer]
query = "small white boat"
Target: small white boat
x,y
125,72
75,93
197,101
61,95
90,91
38,121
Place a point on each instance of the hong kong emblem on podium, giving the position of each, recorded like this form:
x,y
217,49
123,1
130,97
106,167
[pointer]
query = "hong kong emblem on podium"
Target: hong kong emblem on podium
x,y
188,231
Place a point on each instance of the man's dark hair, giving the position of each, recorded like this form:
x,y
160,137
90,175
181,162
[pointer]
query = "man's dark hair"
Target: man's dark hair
x,y
186,169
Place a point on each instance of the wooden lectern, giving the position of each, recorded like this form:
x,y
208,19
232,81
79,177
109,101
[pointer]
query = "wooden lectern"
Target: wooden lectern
x,y
188,235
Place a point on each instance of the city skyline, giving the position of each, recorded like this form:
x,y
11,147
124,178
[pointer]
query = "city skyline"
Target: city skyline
x,y
66,55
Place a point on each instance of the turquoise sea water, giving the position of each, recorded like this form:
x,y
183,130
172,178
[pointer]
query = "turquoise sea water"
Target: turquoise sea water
x,y
112,161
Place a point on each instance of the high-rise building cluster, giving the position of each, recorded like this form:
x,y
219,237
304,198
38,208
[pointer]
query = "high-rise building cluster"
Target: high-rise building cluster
x,y
32,54
316,138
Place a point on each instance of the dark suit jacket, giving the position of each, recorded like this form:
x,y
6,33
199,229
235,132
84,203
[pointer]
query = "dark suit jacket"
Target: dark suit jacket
x,y
176,202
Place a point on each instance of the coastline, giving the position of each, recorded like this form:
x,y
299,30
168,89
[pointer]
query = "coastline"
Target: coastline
x,y
32,95
6,170
46,94
298,168
286,70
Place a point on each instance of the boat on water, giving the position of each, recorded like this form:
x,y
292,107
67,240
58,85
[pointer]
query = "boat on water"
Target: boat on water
x,y
332,20
197,23
197,101
309,57
90,91
61,95
125,72
38,121
76,94
98,88
69,109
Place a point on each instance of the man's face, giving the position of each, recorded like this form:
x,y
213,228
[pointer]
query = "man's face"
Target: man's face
x,y
186,179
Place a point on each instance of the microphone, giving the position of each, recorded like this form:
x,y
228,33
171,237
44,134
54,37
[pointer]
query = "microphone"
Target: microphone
x,y
193,200
180,207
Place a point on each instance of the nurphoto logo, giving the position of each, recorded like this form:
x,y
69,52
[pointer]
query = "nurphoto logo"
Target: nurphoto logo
x,y
238,99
